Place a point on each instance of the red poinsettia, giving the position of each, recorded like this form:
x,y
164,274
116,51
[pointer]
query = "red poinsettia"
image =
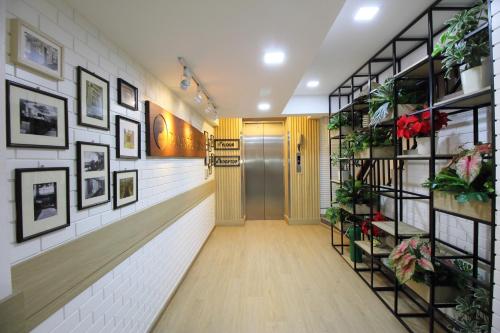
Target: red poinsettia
x,y
415,126
365,226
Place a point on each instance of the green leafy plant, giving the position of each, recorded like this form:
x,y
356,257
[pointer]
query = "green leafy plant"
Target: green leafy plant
x,y
353,192
340,119
382,101
334,214
459,51
468,176
472,311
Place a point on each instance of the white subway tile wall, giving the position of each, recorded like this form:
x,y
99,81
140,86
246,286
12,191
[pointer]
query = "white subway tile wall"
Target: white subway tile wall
x,y
128,298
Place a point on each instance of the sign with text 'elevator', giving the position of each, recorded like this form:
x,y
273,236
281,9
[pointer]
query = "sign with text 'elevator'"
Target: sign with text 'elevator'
x,y
227,144
226,161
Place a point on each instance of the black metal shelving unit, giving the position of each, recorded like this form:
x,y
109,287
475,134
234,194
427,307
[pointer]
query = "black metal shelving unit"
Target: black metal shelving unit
x,y
383,177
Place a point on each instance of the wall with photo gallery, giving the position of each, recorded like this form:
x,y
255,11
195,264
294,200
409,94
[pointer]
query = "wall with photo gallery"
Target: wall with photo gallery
x,y
77,159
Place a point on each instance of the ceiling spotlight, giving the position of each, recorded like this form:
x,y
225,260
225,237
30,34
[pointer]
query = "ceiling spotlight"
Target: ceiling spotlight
x,y
264,106
274,58
313,84
366,13
186,79
199,96
209,108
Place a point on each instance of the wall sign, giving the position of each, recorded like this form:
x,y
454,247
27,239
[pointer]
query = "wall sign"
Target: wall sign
x,y
226,161
227,144
169,136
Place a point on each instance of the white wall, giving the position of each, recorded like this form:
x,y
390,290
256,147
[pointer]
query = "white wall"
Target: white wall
x,y
5,229
162,261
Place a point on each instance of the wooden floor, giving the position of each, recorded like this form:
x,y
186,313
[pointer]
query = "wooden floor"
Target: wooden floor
x,y
271,277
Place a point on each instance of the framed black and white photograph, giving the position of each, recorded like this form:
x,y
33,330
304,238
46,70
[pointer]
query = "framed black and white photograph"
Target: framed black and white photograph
x,y
42,201
128,138
128,95
93,174
33,49
93,100
35,119
125,188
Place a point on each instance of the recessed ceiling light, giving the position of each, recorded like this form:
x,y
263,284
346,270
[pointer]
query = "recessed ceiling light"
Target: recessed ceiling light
x,y
274,58
313,84
366,13
264,106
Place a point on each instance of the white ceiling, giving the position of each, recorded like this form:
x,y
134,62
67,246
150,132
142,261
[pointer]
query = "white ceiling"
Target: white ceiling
x,y
349,44
223,41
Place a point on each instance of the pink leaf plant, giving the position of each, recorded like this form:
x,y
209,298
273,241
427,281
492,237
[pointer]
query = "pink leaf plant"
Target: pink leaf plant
x,y
410,256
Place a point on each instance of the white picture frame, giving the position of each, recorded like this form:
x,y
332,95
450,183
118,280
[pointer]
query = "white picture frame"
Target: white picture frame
x,y
35,50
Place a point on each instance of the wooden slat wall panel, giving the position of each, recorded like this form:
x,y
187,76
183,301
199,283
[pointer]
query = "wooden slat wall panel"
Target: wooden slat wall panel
x,y
228,208
304,186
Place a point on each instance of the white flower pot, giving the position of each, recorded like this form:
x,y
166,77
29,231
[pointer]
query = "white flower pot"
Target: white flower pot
x,y
424,145
476,78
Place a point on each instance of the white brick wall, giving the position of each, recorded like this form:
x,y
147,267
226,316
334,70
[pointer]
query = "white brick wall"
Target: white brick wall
x,y
128,298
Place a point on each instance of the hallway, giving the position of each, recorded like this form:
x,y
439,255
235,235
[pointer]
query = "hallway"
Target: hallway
x,y
271,277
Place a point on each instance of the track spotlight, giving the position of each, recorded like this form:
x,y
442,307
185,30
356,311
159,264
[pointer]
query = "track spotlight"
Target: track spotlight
x,y
199,96
186,79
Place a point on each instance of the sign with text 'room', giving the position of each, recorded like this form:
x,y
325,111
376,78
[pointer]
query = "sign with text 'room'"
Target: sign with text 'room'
x,y
170,136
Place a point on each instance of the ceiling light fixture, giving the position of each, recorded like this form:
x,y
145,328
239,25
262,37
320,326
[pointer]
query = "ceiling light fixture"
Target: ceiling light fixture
x,y
274,58
186,79
199,96
264,106
366,13
201,92
313,84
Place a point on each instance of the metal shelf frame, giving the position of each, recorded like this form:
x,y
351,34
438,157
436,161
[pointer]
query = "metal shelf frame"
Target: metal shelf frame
x,y
385,175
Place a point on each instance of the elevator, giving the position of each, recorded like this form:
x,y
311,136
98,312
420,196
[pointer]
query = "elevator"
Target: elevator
x,y
264,170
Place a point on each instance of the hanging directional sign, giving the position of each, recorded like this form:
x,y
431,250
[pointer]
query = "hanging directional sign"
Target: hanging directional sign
x,y
226,161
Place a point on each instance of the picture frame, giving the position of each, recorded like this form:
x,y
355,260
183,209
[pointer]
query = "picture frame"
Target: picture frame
x,y
35,118
128,138
35,50
226,161
92,174
128,95
125,188
42,201
93,100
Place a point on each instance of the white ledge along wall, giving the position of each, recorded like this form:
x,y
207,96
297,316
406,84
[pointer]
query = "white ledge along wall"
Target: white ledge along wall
x,y
130,296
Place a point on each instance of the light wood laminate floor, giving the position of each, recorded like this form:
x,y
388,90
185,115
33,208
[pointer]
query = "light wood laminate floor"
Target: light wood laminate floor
x,y
271,277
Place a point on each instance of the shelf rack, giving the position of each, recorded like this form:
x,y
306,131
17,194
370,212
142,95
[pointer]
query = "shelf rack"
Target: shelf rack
x,y
422,312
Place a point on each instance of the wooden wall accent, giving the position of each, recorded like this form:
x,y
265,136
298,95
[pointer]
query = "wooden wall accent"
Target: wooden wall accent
x,y
304,187
228,196
50,280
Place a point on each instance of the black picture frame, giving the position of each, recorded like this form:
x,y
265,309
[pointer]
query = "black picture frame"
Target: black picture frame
x,y
118,134
227,140
121,82
20,204
81,121
10,141
115,188
79,145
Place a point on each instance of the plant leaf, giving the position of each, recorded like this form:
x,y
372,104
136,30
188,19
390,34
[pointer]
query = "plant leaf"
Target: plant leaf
x,y
468,167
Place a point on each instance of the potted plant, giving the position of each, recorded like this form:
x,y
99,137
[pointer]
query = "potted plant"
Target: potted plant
x,y
338,120
466,184
377,233
381,103
380,141
472,311
334,214
352,194
468,53
419,126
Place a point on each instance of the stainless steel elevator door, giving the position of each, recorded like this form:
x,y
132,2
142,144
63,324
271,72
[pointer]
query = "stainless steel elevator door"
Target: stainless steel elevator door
x,y
263,162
